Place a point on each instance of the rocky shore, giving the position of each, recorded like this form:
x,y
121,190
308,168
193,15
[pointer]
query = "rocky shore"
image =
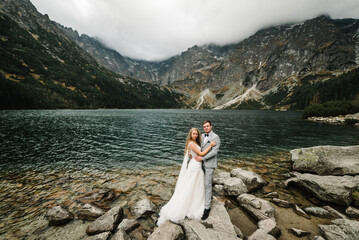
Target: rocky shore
x,y
318,200
352,118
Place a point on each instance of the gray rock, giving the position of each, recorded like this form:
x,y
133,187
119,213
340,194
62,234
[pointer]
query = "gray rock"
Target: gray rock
x,y
107,222
327,160
334,212
271,195
58,216
259,234
352,212
220,177
128,225
335,189
318,212
251,180
144,208
300,211
234,186
341,229
269,226
167,231
217,226
282,203
89,212
298,232
120,235
101,236
218,189
260,209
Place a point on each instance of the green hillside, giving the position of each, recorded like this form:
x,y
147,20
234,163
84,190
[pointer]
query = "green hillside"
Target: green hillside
x,y
40,68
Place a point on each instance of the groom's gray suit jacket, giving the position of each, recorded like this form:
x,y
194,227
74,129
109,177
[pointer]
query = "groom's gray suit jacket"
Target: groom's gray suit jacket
x,y
210,159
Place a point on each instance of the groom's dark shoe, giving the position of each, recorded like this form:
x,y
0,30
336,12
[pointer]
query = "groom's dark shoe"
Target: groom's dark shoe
x,y
205,214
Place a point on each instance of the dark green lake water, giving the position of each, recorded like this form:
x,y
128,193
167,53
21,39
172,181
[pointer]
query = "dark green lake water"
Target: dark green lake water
x,y
116,139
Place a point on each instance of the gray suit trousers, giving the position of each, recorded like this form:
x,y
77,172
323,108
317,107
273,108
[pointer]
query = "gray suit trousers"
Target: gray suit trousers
x,y
208,176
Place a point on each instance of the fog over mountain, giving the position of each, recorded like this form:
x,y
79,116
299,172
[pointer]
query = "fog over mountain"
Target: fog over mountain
x,y
157,30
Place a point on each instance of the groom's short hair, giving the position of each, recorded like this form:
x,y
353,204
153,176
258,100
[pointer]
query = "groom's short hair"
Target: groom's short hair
x,y
207,121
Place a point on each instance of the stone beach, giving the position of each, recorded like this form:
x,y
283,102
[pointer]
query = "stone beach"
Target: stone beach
x,y
255,198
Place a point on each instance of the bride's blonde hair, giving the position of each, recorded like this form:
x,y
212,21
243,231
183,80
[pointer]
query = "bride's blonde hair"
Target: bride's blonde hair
x,y
189,138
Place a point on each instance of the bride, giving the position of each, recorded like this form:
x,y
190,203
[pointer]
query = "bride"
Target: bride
x,y
188,197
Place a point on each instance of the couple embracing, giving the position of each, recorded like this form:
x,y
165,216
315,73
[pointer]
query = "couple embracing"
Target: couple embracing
x,y
193,192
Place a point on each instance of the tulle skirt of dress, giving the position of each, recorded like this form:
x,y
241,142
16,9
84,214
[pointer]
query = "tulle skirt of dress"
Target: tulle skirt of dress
x,y
188,198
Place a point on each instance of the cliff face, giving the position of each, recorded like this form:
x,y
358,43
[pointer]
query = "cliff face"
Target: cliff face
x,y
275,59
42,67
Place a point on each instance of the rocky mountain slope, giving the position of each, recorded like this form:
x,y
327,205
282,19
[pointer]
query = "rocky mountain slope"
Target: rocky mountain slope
x,y
41,67
261,71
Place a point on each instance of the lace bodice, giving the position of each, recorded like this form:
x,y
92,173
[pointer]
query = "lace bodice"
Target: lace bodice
x,y
191,152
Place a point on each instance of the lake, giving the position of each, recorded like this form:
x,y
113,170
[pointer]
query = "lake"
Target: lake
x,y
136,139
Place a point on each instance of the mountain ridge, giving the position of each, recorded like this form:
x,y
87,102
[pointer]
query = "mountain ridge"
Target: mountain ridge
x,y
41,67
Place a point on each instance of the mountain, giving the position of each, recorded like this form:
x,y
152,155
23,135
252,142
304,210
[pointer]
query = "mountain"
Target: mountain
x,y
41,67
261,71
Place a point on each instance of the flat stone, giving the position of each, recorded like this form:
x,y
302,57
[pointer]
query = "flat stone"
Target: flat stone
x,y
58,216
327,160
298,232
251,180
300,211
234,186
120,235
318,238
334,212
258,208
318,212
107,222
271,195
101,236
89,212
269,226
259,234
282,203
144,208
167,231
352,212
334,189
128,225
341,229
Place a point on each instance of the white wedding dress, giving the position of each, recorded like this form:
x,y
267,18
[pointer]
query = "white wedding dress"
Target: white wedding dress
x,y
188,197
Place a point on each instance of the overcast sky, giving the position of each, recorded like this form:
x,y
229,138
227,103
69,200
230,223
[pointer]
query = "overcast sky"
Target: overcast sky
x,y
159,29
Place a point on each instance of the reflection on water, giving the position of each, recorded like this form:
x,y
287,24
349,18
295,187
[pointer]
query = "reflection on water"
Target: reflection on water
x,y
116,139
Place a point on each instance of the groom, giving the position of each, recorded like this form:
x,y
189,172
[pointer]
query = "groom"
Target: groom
x,y
209,162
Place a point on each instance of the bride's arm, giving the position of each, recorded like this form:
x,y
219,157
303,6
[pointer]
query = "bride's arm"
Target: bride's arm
x,y
199,153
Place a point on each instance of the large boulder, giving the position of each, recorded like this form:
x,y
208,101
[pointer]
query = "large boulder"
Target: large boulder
x,y
250,179
120,235
128,225
144,208
58,216
258,208
335,189
217,226
107,222
341,229
167,231
327,160
234,186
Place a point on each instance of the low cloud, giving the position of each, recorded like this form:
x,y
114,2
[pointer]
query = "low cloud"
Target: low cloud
x,y
156,30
